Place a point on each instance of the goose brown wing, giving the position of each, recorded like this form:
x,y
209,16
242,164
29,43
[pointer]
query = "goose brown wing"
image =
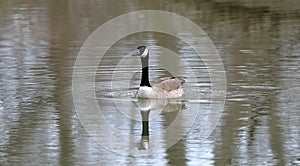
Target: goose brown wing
x,y
168,83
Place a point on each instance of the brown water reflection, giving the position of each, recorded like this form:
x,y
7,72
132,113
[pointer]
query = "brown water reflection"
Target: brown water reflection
x,y
259,45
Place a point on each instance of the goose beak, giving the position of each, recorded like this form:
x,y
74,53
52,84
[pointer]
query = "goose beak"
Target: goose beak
x,y
136,52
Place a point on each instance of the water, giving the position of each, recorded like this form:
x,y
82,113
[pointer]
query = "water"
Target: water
x,y
259,45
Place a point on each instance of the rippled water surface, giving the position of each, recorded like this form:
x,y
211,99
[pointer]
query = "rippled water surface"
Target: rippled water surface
x,y
259,44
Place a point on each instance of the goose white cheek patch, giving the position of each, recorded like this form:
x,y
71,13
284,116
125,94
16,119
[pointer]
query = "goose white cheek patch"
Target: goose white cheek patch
x,y
145,53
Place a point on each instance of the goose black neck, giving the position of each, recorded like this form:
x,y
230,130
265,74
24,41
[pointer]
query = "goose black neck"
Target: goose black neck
x,y
145,72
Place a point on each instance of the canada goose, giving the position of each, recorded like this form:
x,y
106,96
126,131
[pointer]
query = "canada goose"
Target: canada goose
x,y
167,87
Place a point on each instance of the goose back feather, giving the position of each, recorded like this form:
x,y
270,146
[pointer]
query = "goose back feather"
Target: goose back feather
x,y
168,84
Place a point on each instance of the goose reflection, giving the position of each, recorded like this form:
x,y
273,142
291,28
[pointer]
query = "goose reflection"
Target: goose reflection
x,y
145,105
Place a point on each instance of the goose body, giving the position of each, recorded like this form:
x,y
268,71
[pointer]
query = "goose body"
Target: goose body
x,y
166,87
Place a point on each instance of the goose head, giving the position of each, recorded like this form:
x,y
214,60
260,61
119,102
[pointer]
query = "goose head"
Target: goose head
x,y
141,51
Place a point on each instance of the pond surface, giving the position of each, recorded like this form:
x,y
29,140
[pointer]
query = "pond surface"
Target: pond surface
x,y
259,44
